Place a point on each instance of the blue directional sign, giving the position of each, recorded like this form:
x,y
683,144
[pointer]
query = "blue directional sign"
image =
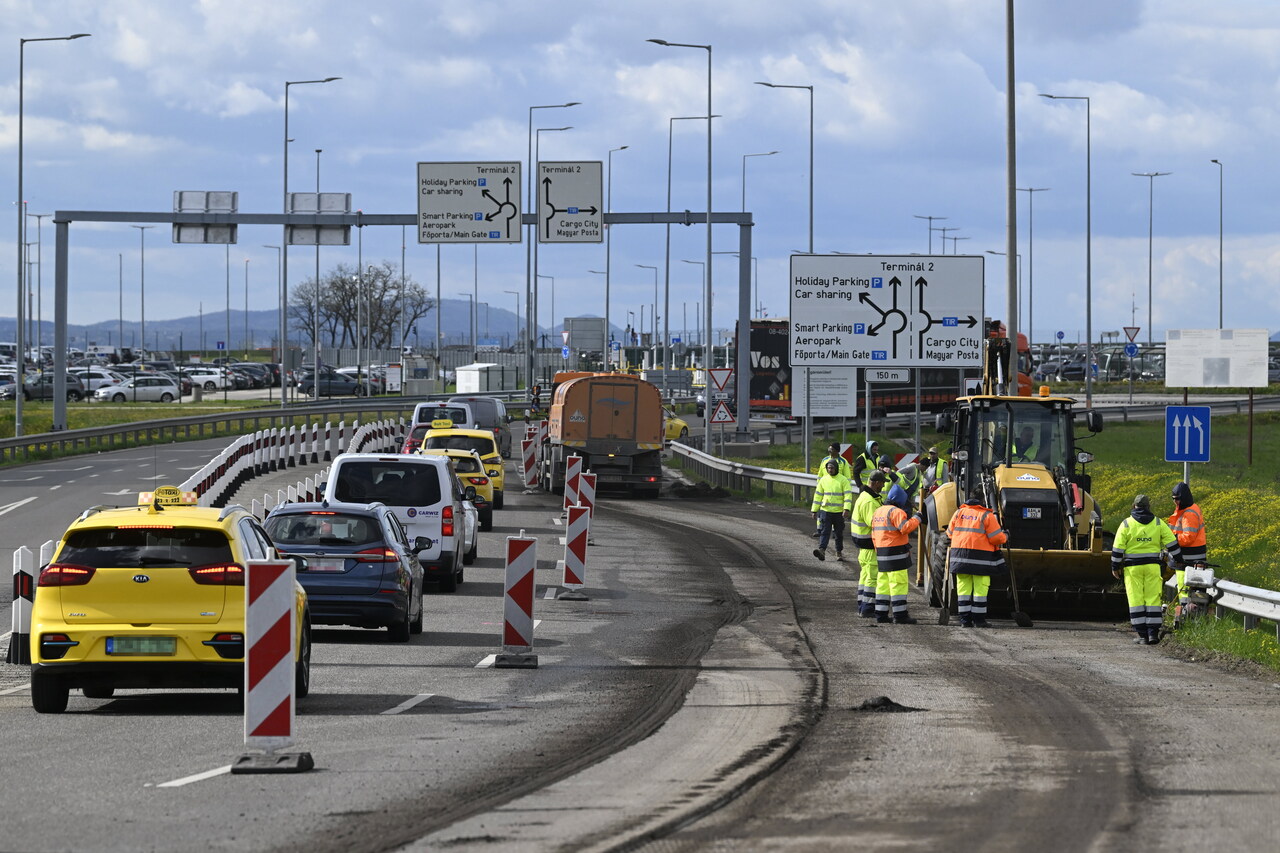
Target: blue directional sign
x,y
222,345
564,352
1131,350
675,339
1061,335
1186,434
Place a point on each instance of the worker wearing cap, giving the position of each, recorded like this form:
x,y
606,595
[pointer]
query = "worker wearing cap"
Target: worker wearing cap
x,y
891,528
1187,523
832,504
833,454
974,556
934,470
864,510
1135,555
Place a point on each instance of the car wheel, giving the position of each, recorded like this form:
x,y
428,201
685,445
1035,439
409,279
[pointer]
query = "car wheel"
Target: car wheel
x,y
415,627
73,396
98,692
118,398
469,556
486,519
684,433
497,499
449,582
210,386
302,669
400,630
48,695
166,397
26,395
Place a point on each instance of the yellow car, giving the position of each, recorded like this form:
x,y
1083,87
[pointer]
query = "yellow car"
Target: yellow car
x,y
479,440
470,470
675,428
150,596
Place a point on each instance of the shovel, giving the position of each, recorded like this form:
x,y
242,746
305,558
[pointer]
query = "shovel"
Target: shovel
x,y
1021,619
944,617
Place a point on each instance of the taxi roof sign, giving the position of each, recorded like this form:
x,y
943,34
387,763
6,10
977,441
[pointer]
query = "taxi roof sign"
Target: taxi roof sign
x,y
168,496
442,423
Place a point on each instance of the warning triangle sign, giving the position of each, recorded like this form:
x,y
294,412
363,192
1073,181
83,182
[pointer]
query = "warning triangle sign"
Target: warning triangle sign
x,y
720,377
1132,331
722,415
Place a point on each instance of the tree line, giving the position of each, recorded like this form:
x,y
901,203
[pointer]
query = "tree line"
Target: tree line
x,y
353,308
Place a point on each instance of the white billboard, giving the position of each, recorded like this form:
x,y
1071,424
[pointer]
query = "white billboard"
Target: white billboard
x,y
1215,358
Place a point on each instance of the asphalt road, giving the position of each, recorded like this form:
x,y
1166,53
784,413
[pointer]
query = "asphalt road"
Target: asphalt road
x,y
710,695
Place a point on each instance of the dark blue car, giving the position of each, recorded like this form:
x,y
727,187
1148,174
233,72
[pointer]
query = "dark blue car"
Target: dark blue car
x,y
358,566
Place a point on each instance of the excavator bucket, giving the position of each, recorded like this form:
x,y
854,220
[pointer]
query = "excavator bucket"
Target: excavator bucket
x,y
1061,584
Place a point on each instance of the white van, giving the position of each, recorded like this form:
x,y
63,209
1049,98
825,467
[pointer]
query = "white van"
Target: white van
x,y
426,498
460,413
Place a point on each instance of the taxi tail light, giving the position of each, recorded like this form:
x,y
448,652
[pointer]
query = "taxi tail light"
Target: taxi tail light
x,y
55,646
65,574
446,527
218,574
480,481
228,645
377,555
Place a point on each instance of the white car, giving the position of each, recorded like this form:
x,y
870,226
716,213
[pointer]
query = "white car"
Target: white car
x,y
149,387
208,378
95,377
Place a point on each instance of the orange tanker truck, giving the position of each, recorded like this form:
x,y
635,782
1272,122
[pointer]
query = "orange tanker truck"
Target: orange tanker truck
x,y
614,422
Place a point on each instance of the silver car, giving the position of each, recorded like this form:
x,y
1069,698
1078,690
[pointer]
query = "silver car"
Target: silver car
x,y
151,387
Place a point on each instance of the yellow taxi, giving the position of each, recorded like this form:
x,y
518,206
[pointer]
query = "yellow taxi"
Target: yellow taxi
x,y
441,436
150,596
675,428
470,469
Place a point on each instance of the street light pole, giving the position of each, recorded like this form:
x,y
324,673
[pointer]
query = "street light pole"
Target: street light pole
x,y
284,246
315,307
666,261
1219,162
142,281
608,256
744,174
22,234
1151,206
1088,241
931,230
707,262
1031,260
279,282
38,217
516,294
653,322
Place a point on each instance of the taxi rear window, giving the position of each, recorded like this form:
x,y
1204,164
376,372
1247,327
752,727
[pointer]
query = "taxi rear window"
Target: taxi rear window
x,y
467,465
392,483
327,528
133,548
481,445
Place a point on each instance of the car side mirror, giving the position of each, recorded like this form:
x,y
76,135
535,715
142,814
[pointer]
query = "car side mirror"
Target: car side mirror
x,y
420,544
943,422
469,493
1093,420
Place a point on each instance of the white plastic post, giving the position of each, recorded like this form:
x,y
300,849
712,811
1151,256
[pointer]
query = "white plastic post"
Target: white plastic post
x,y
517,608
528,449
576,532
24,593
572,472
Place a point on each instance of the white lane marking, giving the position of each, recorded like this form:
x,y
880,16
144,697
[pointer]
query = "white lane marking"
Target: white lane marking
x,y
487,662
198,777
119,493
6,635
16,504
8,691
562,539
557,521
54,488
551,592
20,479
408,703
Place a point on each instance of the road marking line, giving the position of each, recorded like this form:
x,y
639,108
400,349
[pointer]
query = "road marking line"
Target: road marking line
x,y
557,521
6,635
16,504
54,488
408,703
551,592
199,777
8,691
487,662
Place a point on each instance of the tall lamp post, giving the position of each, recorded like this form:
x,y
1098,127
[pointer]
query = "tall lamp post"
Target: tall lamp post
x,y
38,217
653,319
279,280
553,299
706,324
944,237
516,334
1031,260
142,282
1219,162
531,311
471,322
608,254
537,156
931,230
284,244
22,229
744,174
1151,207
666,258
707,263
1088,241
315,303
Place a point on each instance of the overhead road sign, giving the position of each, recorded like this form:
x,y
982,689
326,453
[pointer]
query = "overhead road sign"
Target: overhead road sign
x,y
570,206
1215,358
881,310
1186,433
469,202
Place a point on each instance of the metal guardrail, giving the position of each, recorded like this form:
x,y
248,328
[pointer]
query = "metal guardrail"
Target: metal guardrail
x,y
1250,602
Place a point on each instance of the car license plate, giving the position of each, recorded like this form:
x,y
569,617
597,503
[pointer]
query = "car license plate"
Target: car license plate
x,y
142,645
1031,512
322,564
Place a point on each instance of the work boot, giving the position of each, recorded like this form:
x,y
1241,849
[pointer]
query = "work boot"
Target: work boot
x,y
815,534
966,623
981,622
819,553
867,612
840,556
883,618
903,619
1153,636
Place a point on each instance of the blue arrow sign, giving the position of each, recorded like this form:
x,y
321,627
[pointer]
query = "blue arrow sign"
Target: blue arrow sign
x,y
1061,335
1186,434
1131,350
564,352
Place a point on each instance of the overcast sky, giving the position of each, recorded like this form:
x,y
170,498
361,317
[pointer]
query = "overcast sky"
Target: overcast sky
x,y
909,99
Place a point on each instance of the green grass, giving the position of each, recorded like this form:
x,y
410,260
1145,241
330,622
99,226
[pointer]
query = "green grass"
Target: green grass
x,y
1227,636
37,416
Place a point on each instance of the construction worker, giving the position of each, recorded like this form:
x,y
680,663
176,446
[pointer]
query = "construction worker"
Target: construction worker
x,y
833,453
1025,448
1135,555
891,528
1187,523
934,470
891,474
910,478
832,504
869,500
865,463
974,556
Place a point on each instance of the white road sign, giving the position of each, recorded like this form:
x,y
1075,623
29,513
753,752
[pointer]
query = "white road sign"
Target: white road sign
x,y
469,202
881,310
570,209
1215,358
883,374
832,392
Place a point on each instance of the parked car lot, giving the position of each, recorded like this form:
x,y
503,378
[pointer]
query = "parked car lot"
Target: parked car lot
x,y
147,388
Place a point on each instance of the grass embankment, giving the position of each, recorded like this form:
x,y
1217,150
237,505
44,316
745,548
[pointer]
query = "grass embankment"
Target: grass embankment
x,y
1241,502
37,417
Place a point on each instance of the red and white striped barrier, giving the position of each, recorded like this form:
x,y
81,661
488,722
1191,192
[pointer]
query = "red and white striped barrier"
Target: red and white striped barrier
x,y
572,472
587,492
528,462
24,594
517,605
576,532
269,671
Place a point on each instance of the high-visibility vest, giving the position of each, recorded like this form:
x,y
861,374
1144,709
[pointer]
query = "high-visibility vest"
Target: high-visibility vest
x,y
1188,526
864,465
976,538
891,532
909,479
935,474
832,494
1138,544
846,470
863,511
